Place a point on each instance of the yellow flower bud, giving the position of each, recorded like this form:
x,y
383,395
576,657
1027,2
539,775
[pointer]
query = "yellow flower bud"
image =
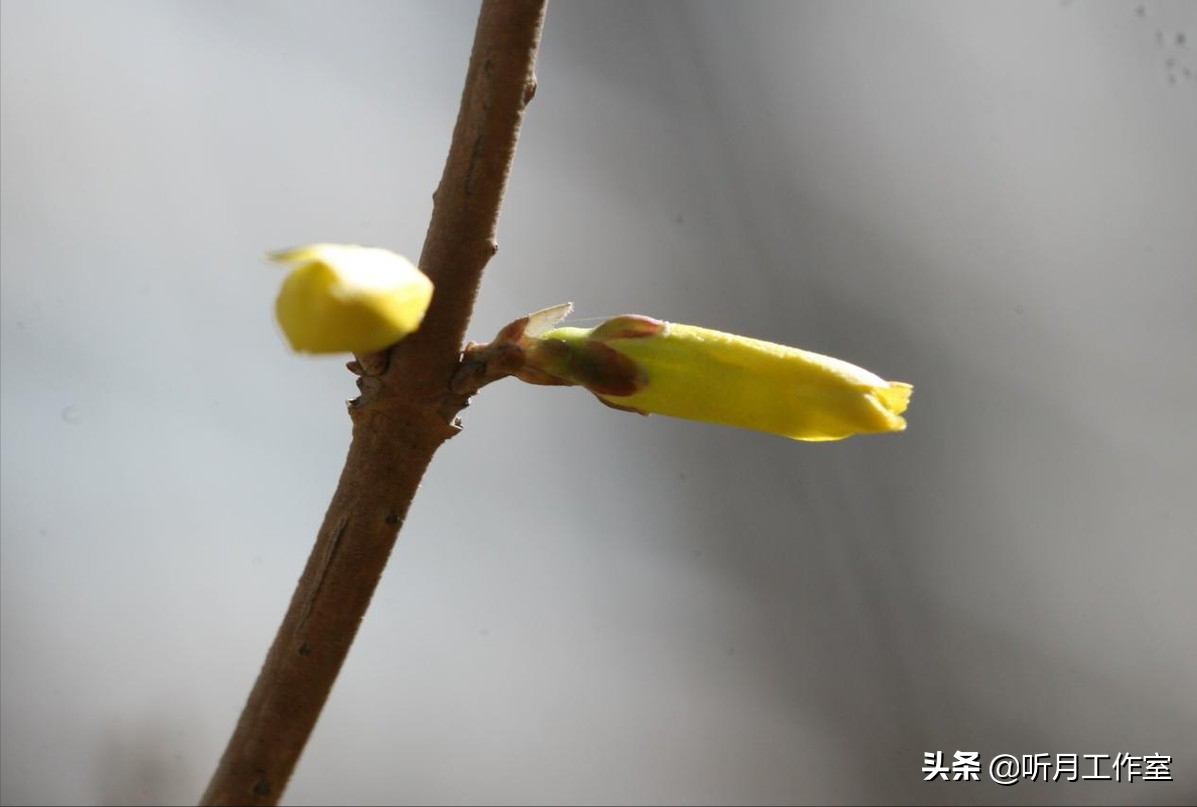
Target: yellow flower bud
x,y
649,366
341,298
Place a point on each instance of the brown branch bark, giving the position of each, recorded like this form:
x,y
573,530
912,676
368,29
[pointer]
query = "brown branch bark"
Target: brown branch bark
x,y
405,412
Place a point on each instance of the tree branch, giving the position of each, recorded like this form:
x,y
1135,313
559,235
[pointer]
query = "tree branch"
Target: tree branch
x,y
405,412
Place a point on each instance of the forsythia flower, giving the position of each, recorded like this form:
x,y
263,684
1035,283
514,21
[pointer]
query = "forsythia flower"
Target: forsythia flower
x,y
341,298
649,366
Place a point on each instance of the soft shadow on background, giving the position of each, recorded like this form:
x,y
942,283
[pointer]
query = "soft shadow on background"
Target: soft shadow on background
x,y
993,201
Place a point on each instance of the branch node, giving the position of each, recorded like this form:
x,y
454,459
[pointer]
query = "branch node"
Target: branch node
x,y
370,364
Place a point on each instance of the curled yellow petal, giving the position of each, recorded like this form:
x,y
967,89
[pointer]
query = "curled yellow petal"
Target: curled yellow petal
x,y
650,366
342,298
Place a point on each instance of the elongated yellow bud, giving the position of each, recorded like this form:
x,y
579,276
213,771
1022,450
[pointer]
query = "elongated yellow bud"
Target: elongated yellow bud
x,y
649,366
341,298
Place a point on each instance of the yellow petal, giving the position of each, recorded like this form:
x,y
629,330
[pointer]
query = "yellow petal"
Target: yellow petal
x,y
341,298
699,374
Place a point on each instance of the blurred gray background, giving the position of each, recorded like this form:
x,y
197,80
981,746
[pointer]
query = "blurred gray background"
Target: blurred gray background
x,y
994,201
